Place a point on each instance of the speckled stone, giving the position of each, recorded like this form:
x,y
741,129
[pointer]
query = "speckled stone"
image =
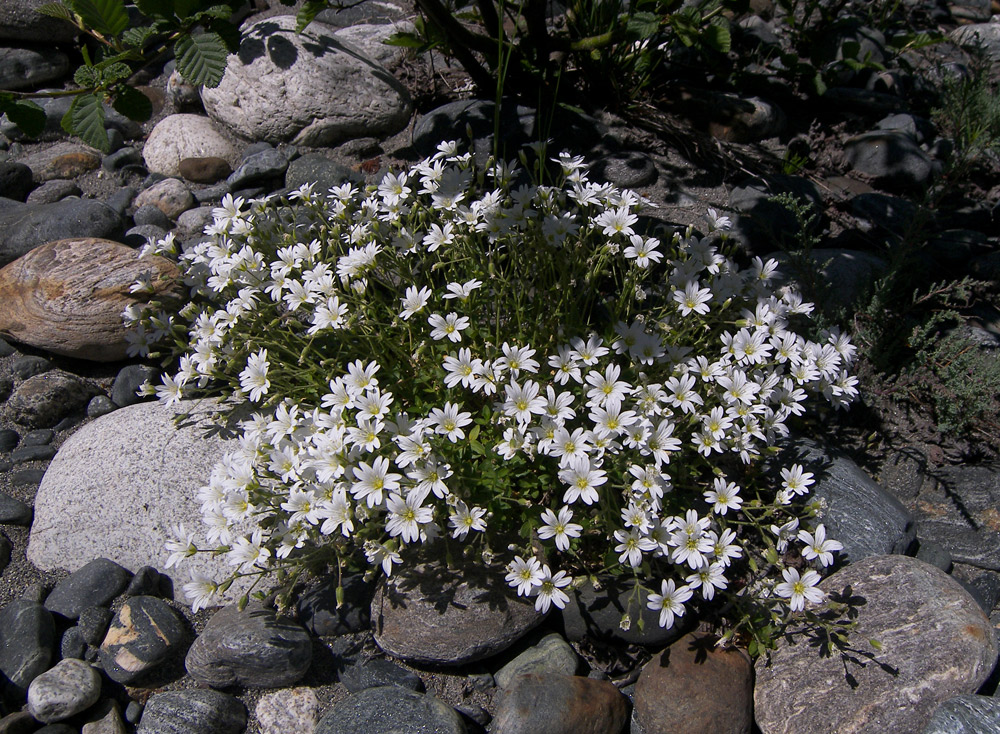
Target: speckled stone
x,y
288,710
390,709
68,688
200,711
552,654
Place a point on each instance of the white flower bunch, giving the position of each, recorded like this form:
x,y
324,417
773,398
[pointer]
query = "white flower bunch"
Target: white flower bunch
x,y
459,355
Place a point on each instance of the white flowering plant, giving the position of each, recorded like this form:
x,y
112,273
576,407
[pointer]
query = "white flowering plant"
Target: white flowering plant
x,y
466,359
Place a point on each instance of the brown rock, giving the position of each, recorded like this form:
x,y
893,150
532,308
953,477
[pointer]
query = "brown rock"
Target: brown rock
x,y
560,704
697,688
171,196
67,296
204,170
62,160
428,613
935,643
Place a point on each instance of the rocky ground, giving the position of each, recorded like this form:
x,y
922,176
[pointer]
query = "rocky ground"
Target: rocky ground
x,y
91,477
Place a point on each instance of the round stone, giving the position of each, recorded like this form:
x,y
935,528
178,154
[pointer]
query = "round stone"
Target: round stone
x,y
145,631
288,710
192,712
390,709
68,688
177,137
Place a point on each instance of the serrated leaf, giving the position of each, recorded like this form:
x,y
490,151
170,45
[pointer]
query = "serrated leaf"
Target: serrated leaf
x,y
718,38
186,8
57,10
309,10
27,115
201,59
87,77
220,12
228,32
85,119
107,17
115,72
137,37
156,8
642,25
133,104
403,39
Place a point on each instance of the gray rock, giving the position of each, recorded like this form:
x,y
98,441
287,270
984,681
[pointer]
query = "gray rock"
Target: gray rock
x,y
72,644
55,109
122,199
628,169
9,438
13,511
430,614
318,609
369,39
966,714
53,191
442,122
933,553
119,483
177,137
67,689
20,21
192,712
918,128
852,272
100,405
892,213
936,643
146,582
151,214
559,704
30,365
93,624
308,88
31,225
32,453
27,645
5,550
95,584
891,158
288,710
552,654
390,709
38,437
62,161
106,720
252,648
137,237
265,167
127,383
375,11
985,35
171,196
19,722
44,400
378,672
194,221
317,169
15,180
182,94
978,547
144,633
598,613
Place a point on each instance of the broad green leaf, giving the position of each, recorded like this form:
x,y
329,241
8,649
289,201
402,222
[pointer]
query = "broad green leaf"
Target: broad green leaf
x,y
201,59
642,25
85,119
220,12
133,104
27,115
229,32
186,8
404,40
57,10
718,38
309,10
137,37
115,72
107,17
156,8
87,77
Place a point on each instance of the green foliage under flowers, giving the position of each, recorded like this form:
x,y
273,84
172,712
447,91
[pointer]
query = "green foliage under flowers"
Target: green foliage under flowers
x,y
969,114
502,371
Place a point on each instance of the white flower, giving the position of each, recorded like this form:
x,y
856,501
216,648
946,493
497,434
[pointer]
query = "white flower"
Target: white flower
x,y
693,299
464,519
582,479
253,379
414,301
559,527
181,546
785,533
523,401
616,221
631,546
379,553
708,577
798,590
550,590
517,358
450,326
449,421
817,545
524,575
202,591
643,250
717,221
606,389
405,517
249,551
723,496
462,290
669,602
374,480
796,480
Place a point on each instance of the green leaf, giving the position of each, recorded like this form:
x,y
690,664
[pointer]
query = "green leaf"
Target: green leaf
x,y
107,17
642,25
156,8
87,77
718,38
85,119
186,8
133,104
138,37
57,10
201,59
25,114
115,72
404,40
229,32
220,12
309,10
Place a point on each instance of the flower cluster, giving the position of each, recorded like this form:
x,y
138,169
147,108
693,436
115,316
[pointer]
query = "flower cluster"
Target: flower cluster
x,y
462,355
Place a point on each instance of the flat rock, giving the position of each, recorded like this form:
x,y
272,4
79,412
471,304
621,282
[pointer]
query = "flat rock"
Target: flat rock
x,y
29,226
62,160
378,672
552,654
27,645
679,689
318,609
181,136
390,709
598,613
44,400
13,511
985,35
559,704
20,21
67,297
252,648
204,169
308,88
852,270
265,167
53,191
936,643
318,169
966,714
429,614
891,158
192,712
288,710
144,633
67,689
369,39
119,483
106,720
5,549
171,196
95,584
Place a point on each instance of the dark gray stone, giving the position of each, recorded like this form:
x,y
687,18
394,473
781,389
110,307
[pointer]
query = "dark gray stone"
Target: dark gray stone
x,y
442,123
984,588
56,729
628,169
892,213
19,722
21,22
390,709
52,191
93,624
918,128
318,169
267,166
966,714
100,405
552,654
379,13
5,550
977,547
145,632
15,180
45,400
13,511
32,453
860,514
761,222
935,643
95,584
31,225
6,387
6,349
891,158
318,607
124,390
378,672
140,235
27,645
23,68
122,157
25,477
30,365
192,712
72,644
252,648
933,553
122,199
9,439
38,437
145,582
598,613
211,193
150,214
